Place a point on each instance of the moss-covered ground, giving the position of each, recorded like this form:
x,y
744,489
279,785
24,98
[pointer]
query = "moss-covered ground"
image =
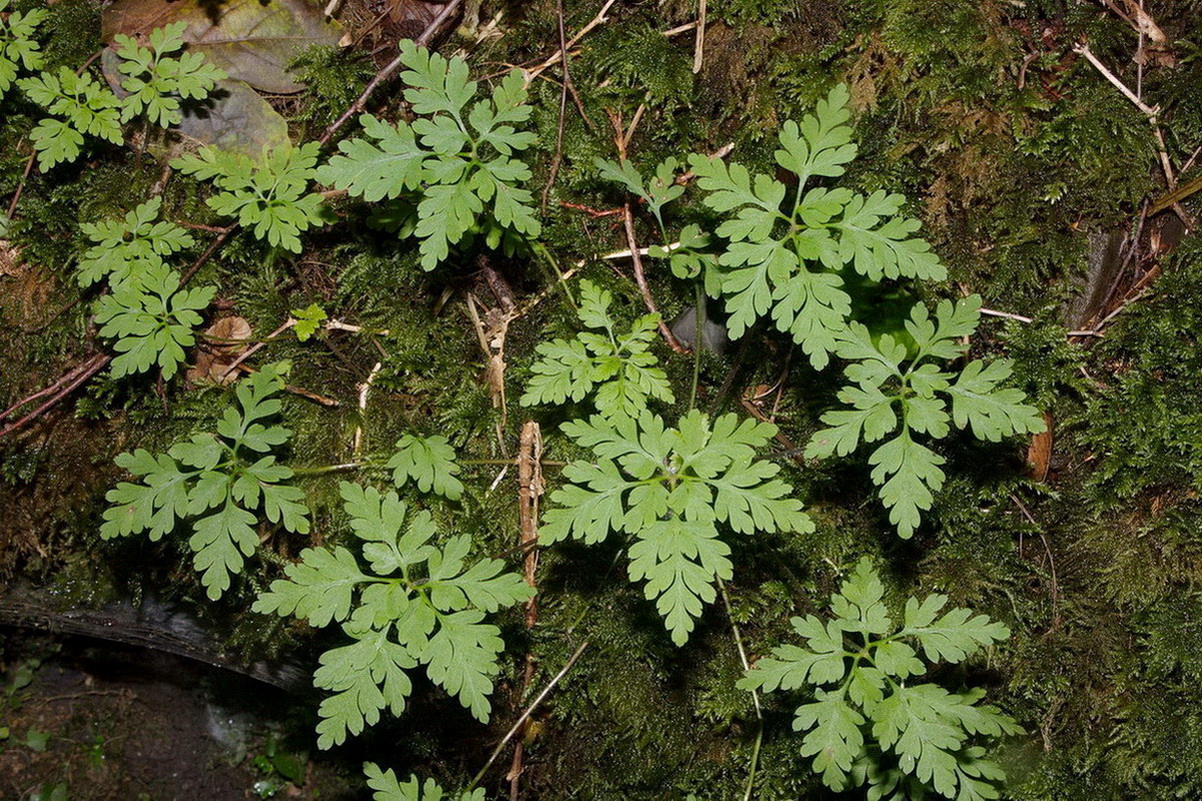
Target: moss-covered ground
x,y
1019,157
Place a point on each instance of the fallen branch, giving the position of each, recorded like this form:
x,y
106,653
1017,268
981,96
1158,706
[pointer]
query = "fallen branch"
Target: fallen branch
x,y
699,42
65,386
1151,113
1006,315
530,489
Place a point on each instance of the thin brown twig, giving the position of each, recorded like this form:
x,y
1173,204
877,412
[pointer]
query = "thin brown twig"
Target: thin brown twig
x,y
699,46
364,390
12,207
203,259
553,173
590,211
252,350
1190,161
1006,315
1151,112
530,490
639,278
41,393
90,368
530,710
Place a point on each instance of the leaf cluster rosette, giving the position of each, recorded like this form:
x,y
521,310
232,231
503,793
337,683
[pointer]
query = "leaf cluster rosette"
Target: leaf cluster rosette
x,y
454,168
901,388
417,603
672,490
786,249
618,369
219,481
268,195
152,319
869,722
128,248
156,79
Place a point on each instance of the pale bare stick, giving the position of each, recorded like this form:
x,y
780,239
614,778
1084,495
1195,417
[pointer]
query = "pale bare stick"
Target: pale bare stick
x,y
364,389
1150,111
1006,315
679,29
1083,49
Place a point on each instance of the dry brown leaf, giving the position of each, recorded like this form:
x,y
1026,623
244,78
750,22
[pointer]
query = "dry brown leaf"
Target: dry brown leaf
x,y
1039,452
223,342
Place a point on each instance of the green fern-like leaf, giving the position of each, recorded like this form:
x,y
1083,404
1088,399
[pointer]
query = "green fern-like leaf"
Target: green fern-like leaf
x,y
456,170
18,48
157,81
217,481
868,723
152,320
429,461
898,390
388,787
127,248
661,190
269,195
418,605
308,321
784,254
619,369
672,490
85,108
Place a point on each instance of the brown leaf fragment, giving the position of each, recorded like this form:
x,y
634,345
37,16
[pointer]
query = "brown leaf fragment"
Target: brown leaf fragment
x,y
222,343
10,259
1039,452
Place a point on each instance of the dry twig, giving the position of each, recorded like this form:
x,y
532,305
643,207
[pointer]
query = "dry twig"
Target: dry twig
x,y
699,46
530,490
600,19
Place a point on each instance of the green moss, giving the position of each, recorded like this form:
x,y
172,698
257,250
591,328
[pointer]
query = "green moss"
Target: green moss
x,y
1007,146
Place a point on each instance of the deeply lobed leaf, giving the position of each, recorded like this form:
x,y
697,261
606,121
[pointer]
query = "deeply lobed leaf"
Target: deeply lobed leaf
x,y
453,171
428,461
928,731
669,488
430,614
